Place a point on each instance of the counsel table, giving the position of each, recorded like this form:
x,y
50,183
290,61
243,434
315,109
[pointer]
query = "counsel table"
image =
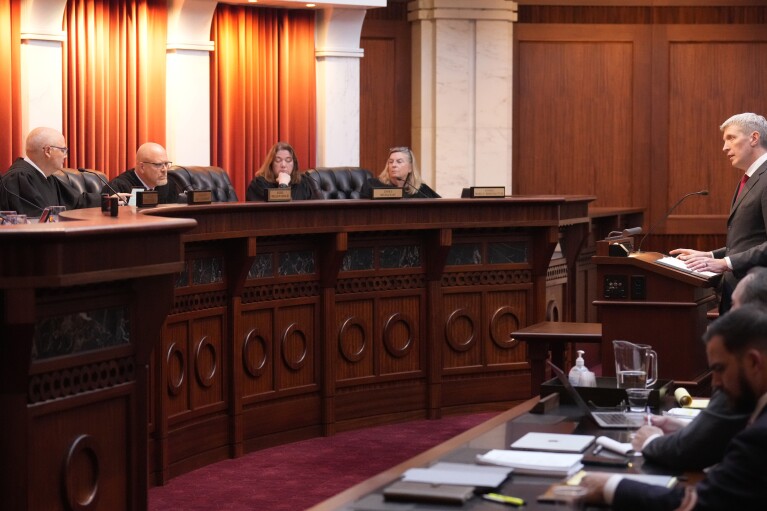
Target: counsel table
x,y
497,433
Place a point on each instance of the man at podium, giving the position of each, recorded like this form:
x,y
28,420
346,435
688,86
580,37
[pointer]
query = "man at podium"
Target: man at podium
x,y
745,144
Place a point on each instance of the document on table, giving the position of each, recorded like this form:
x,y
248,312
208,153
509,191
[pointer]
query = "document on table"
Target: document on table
x,y
533,462
458,473
679,265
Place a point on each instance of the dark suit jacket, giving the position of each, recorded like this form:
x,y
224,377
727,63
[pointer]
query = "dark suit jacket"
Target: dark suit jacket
x,y
25,190
746,233
739,482
701,443
125,182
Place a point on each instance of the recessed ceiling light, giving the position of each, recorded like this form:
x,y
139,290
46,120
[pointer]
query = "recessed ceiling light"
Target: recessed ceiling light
x,y
311,5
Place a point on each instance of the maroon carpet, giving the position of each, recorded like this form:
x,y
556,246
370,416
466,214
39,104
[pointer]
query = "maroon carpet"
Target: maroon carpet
x,y
296,476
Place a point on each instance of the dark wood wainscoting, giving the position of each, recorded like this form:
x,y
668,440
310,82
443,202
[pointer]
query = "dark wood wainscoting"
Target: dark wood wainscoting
x,y
625,103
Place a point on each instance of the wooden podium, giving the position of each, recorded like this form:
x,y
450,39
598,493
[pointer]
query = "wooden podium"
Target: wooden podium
x,y
646,302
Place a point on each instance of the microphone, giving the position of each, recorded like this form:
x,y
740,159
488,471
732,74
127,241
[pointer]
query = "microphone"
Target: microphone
x,y
668,213
106,183
20,197
317,181
416,190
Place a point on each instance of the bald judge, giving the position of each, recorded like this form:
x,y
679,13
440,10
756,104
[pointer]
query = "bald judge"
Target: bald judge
x,y
150,173
29,186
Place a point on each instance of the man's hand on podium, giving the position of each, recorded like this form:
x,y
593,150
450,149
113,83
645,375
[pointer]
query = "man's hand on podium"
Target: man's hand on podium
x,y
700,261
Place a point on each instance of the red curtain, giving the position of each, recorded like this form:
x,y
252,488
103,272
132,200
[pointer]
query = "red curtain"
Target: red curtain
x,y
114,84
10,84
262,87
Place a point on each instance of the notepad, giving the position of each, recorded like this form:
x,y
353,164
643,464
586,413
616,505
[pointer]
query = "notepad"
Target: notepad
x,y
458,473
534,462
553,442
406,491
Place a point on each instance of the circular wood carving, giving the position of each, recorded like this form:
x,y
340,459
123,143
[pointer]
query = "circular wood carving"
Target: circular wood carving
x,y
255,353
503,322
80,476
352,339
291,360
390,331
205,378
174,363
453,327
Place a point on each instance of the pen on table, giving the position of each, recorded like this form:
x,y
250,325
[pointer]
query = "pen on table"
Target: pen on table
x,y
597,449
503,499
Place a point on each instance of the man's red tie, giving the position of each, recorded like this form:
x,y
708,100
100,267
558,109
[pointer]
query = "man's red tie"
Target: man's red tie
x,y
742,184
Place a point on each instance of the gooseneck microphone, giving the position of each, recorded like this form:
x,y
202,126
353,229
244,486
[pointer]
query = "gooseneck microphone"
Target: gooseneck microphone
x,y
106,183
317,182
415,190
656,224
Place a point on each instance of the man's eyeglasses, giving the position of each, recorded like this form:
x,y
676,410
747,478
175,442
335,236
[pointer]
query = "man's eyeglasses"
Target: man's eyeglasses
x,y
64,150
159,164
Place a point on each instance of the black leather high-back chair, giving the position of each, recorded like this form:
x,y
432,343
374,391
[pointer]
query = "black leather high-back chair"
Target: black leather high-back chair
x,y
338,182
214,179
84,182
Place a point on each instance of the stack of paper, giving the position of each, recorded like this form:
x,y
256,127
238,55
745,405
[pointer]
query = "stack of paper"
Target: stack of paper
x,y
534,463
458,473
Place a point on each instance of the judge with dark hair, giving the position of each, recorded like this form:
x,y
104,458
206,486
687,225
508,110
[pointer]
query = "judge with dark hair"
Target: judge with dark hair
x,y
280,170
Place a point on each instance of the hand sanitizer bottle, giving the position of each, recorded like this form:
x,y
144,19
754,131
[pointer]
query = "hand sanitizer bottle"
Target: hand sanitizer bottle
x,y
580,375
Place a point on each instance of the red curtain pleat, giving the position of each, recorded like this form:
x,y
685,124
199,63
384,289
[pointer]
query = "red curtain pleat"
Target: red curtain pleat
x,y
114,81
10,84
298,101
262,87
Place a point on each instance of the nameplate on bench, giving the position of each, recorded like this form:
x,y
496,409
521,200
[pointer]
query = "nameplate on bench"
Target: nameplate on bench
x,y
278,195
385,193
147,198
484,192
199,196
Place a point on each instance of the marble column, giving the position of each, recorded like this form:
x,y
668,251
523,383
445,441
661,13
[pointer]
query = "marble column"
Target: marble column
x,y
42,83
338,54
462,92
187,82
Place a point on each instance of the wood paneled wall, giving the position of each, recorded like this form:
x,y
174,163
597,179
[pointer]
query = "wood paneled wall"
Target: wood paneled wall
x,y
626,102
385,85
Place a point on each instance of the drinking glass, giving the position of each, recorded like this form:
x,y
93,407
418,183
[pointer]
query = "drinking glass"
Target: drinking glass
x,y
638,399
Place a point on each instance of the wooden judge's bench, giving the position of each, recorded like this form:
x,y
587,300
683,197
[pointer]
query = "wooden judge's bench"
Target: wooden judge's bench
x,y
167,339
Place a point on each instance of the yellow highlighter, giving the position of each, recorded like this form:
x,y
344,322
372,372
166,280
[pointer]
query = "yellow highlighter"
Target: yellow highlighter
x,y
503,499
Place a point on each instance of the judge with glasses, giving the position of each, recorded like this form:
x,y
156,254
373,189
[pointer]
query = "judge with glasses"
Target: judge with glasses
x,y
150,173
29,185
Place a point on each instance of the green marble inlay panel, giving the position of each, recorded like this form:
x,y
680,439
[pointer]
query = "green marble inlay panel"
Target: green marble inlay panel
x,y
80,332
262,267
507,252
207,271
408,256
297,263
465,253
358,259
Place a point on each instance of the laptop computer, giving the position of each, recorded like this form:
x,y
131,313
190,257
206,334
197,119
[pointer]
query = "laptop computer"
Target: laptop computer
x,y
607,420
